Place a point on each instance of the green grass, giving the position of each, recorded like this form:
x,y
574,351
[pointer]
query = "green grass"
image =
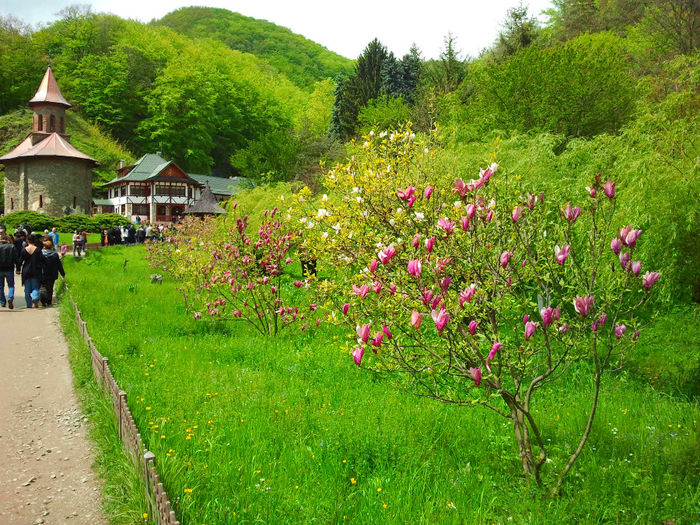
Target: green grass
x,y
67,238
275,430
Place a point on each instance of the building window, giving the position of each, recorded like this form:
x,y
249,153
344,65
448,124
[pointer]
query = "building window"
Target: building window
x,y
140,209
40,126
63,125
137,191
41,201
75,201
12,203
52,124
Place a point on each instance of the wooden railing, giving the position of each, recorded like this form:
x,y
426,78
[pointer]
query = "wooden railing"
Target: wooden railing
x,y
144,461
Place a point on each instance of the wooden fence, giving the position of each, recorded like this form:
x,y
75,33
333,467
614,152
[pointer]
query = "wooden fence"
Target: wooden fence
x,y
144,461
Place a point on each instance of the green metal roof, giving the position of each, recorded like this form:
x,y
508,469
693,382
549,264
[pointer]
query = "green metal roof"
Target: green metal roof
x,y
219,185
102,202
150,165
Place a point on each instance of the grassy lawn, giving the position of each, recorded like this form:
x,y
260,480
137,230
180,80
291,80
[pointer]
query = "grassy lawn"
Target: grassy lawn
x,y
67,238
247,429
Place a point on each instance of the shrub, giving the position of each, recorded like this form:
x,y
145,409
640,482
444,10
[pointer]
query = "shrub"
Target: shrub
x,y
519,286
108,220
74,222
37,221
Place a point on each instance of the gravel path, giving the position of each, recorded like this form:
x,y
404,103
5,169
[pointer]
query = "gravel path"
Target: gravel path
x,y
45,458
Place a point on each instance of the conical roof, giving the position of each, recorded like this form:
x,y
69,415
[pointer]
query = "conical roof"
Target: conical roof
x,y
206,205
49,91
52,146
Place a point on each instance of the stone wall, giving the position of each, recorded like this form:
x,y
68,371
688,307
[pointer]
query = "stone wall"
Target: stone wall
x,y
48,185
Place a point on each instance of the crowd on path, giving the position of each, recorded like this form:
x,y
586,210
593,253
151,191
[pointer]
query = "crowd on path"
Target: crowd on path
x,y
133,234
33,257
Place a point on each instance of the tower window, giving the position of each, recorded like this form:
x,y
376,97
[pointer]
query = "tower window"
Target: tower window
x,y
63,126
12,203
40,125
41,201
75,201
52,124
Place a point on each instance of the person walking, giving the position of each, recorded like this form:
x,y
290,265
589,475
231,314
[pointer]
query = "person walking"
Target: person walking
x,y
52,268
77,239
54,236
32,262
8,264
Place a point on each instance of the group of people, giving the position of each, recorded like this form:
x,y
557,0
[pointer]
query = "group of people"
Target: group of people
x,y
33,257
131,234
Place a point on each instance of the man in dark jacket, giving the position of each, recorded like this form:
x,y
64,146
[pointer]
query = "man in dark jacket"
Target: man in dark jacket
x,y
52,267
8,265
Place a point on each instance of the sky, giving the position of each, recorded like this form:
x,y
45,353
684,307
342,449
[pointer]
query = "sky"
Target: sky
x,y
344,27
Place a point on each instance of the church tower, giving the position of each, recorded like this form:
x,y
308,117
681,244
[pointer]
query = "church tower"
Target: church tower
x,y
45,173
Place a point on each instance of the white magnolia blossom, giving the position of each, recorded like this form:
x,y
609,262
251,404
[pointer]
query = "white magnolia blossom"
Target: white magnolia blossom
x,y
458,204
371,133
419,215
324,235
399,211
322,212
336,227
324,198
426,151
392,221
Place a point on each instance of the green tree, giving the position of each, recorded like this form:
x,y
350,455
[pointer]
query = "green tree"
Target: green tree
x,y
22,62
518,31
447,73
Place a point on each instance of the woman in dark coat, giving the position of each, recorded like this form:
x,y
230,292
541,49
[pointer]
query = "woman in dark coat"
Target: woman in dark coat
x,y
32,262
51,270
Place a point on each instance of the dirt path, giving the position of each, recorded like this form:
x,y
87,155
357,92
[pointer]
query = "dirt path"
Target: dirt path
x,y
45,459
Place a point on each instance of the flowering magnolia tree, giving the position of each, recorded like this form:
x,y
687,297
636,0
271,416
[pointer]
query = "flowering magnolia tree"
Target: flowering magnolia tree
x,y
236,275
469,293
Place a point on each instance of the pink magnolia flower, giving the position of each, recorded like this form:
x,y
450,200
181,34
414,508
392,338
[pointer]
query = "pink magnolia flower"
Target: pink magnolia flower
x,y
616,245
505,257
472,327
363,332
619,330
489,216
298,284
346,307
583,305
602,319
517,212
392,289
609,189
405,194
623,232
361,290
462,188
476,375
386,331
530,329
632,237
377,341
531,201
526,318
429,243
427,296
636,335
471,210
561,253
571,214
649,279
625,261
465,223
446,224
414,267
416,320
373,265
466,295
436,302
288,260
564,328
416,240
592,192
357,355
547,315
445,283
428,192
494,349
636,267
387,254
313,306
411,200
197,315
377,287
594,326
441,318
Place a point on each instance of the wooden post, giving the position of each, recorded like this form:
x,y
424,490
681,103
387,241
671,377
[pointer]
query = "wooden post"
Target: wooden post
x,y
122,403
150,459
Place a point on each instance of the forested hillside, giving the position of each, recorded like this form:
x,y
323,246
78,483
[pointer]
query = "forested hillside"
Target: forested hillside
x,y
211,108
300,59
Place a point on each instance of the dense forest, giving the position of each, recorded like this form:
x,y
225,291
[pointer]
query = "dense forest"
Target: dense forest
x,y
607,86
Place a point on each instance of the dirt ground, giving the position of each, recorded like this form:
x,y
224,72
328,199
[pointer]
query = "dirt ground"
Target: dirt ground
x,y
45,458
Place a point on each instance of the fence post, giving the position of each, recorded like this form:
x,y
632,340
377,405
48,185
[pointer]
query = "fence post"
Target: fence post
x,y
122,404
150,459
105,364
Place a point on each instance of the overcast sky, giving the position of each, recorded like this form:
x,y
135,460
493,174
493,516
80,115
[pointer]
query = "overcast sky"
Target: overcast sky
x,y
344,27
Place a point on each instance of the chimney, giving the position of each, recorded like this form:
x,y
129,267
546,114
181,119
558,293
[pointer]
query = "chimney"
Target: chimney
x,y
122,163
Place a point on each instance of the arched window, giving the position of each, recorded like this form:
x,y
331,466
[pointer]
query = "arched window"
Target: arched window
x,y
40,126
52,124
63,126
12,203
41,201
75,201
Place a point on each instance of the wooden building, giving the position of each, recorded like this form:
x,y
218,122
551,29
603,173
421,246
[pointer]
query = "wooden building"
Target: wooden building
x,y
158,190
